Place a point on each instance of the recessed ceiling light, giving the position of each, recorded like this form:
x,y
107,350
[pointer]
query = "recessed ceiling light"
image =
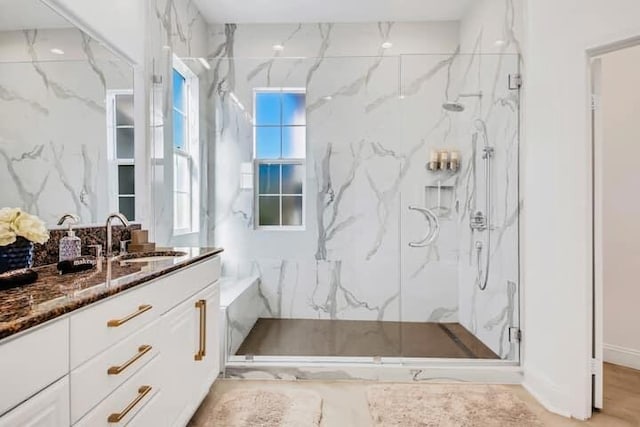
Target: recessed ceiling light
x,y
499,42
278,47
387,45
328,98
57,51
401,97
204,63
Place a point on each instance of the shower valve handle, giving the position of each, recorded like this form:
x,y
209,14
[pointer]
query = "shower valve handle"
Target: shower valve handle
x,y
478,221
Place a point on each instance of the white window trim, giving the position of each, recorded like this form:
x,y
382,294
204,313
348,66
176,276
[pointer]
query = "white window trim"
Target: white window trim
x,y
192,151
296,161
112,153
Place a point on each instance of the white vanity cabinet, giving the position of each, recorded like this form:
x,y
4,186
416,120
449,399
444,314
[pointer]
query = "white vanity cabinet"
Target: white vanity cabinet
x,y
49,408
32,361
146,356
192,354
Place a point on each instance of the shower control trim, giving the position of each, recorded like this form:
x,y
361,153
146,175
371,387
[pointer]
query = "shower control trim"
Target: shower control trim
x,y
487,152
478,221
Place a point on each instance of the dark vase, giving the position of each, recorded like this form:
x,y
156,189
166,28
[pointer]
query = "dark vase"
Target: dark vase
x,y
17,255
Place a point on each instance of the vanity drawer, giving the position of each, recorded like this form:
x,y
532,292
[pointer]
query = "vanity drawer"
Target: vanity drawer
x,y
131,310
121,406
191,280
101,325
153,413
24,371
94,380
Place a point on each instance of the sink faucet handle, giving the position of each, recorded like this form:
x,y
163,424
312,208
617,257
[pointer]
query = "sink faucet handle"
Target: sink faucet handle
x,y
98,249
124,244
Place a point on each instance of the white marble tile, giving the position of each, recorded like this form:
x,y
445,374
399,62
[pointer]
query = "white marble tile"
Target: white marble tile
x,y
53,147
366,156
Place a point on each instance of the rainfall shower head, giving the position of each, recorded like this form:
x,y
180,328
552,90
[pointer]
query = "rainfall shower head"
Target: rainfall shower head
x,y
457,107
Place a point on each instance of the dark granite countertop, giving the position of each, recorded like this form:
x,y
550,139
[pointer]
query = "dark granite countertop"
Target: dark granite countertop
x,y
53,295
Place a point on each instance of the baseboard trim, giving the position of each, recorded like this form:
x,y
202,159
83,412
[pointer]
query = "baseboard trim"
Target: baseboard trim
x,y
622,356
546,392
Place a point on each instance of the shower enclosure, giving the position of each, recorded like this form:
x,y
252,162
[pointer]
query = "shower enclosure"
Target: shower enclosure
x,y
397,259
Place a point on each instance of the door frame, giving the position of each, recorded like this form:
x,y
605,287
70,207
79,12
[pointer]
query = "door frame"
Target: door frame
x,y
596,142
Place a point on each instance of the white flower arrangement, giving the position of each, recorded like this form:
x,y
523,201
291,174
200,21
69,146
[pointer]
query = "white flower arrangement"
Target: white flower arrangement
x,y
15,223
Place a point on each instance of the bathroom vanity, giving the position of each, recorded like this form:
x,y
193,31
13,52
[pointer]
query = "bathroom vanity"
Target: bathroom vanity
x,y
132,343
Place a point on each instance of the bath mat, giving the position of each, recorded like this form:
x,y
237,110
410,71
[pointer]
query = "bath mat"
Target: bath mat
x,y
446,405
266,408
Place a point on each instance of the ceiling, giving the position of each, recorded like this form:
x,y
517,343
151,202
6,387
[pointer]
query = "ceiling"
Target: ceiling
x,y
288,11
27,15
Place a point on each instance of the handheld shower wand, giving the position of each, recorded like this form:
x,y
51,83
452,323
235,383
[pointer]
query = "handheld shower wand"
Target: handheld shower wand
x,y
482,221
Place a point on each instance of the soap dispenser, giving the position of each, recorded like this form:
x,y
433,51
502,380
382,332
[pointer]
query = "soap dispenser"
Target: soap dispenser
x,y
70,245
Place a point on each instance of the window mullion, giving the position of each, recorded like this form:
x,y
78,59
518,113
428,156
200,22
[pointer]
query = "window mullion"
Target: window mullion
x,y
279,159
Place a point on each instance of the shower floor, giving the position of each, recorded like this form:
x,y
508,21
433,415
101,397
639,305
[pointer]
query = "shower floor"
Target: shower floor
x,y
357,338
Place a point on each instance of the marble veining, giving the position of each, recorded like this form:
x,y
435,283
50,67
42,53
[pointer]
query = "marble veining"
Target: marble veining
x,y
367,372
362,177
49,106
372,117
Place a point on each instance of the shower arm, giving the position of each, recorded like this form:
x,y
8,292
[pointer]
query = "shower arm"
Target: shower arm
x,y
470,95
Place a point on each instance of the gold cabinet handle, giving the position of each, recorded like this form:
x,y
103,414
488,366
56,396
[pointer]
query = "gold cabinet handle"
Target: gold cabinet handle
x,y
118,416
142,350
202,351
114,323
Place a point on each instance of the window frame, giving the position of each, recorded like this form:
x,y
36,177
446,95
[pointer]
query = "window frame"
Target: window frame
x,y
112,152
257,162
192,150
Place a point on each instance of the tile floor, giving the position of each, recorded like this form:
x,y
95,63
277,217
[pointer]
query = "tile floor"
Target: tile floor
x,y
357,338
345,403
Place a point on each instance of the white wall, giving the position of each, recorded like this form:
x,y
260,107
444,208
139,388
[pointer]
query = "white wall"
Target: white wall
x,y
174,27
119,23
53,134
620,107
123,26
489,313
557,225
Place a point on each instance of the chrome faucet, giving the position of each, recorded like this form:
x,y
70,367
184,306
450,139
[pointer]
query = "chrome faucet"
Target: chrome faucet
x,y
71,217
124,222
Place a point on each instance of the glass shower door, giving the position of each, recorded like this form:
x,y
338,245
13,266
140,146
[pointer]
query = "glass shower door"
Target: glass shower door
x,y
459,207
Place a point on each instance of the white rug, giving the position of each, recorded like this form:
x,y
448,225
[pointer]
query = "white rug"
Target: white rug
x,y
444,405
266,408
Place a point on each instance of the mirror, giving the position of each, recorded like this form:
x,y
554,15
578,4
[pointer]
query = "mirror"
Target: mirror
x,y
66,119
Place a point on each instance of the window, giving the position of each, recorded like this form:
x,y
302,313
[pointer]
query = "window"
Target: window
x,y
279,157
121,141
186,188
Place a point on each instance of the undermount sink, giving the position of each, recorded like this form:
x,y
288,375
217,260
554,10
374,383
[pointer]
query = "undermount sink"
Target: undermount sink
x,y
150,256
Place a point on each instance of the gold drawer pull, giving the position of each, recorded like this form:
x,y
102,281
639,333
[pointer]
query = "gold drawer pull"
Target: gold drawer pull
x,y
202,351
142,350
118,322
142,392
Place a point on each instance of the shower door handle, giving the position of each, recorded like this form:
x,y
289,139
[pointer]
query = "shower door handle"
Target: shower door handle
x,y
434,227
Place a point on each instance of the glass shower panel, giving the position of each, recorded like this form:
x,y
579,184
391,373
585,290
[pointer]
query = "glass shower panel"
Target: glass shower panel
x,y
459,108
332,288
354,140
